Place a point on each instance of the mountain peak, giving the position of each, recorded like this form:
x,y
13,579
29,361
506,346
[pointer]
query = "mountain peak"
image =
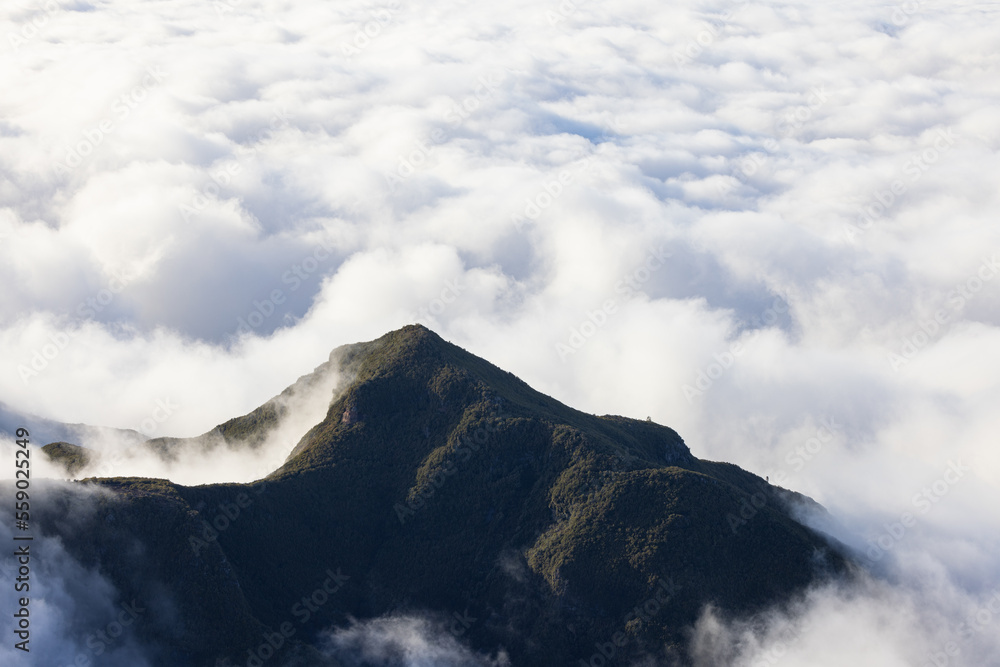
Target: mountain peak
x,y
413,345
441,483
412,337
413,376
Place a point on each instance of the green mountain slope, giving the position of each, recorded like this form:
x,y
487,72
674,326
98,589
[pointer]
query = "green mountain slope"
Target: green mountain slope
x,y
438,483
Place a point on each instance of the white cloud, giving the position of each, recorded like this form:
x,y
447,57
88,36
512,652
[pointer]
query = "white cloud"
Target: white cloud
x,y
759,144
407,641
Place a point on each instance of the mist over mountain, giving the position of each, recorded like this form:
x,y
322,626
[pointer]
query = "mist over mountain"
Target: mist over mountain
x,y
770,227
440,496
49,430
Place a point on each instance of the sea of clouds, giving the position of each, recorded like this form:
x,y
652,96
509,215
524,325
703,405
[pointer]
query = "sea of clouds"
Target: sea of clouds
x,y
771,226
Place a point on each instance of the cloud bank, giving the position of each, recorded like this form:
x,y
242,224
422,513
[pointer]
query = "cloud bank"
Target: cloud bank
x,y
209,457
769,226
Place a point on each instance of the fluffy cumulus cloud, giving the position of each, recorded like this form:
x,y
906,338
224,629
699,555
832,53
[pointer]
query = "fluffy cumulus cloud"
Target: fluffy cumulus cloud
x,y
768,225
870,624
406,641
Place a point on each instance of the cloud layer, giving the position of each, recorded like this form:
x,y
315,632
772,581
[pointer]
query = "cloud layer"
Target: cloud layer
x,y
769,226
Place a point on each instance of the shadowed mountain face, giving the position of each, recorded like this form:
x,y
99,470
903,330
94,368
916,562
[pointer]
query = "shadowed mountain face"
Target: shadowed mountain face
x,y
440,485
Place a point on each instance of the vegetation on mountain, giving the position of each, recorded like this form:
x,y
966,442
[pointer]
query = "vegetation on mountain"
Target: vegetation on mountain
x,y
440,484
72,457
